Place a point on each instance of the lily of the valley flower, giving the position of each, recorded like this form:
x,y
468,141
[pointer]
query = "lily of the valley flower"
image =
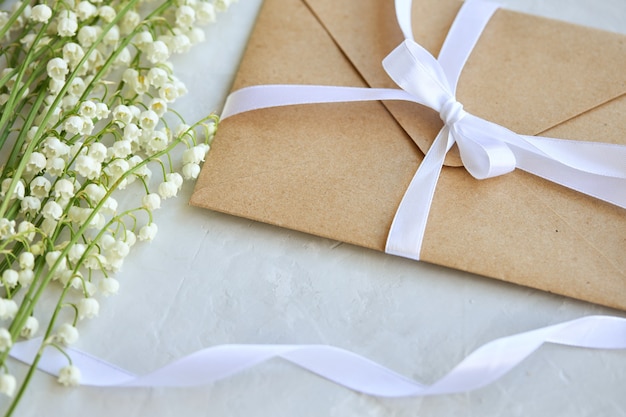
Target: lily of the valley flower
x,y
87,111
30,327
8,385
6,341
69,376
41,13
66,334
88,308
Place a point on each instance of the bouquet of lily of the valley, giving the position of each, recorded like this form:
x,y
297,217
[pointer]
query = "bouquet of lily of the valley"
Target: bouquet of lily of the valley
x,y
86,89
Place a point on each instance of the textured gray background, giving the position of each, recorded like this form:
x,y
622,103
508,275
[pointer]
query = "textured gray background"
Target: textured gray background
x,y
210,279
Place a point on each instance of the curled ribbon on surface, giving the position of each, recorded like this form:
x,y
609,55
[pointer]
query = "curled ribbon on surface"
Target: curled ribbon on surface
x,y
482,367
487,149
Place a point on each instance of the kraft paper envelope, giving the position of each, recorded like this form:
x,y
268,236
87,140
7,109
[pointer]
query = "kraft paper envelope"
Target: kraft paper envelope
x,y
340,170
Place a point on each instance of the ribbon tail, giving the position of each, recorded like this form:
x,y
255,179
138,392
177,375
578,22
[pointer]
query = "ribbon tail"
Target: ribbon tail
x,y
599,158
603,186
406,234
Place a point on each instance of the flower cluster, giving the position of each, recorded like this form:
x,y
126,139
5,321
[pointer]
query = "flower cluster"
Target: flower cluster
x,y
86,94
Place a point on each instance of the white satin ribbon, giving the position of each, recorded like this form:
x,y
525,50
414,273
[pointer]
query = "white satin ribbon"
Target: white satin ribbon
x,y
487,149
480,368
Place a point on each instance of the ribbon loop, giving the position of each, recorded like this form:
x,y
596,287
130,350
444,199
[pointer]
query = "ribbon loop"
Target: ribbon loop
x,y
418,73
483,151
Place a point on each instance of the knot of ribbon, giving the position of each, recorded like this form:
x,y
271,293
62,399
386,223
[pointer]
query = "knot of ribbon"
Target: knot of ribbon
x,y
451,112
484,151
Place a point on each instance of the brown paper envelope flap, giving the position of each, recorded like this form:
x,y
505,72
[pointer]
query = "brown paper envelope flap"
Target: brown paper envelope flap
x,y
542,72
339,171
263,179
293,48
527,73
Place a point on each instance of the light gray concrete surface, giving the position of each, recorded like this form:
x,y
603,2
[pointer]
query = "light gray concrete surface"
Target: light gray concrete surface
x,y
211,279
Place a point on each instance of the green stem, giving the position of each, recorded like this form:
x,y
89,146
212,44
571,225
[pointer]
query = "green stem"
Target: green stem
x,y
33,367
21,138
15,113
57,100
27,306
16,93
125,42
44,274
12,19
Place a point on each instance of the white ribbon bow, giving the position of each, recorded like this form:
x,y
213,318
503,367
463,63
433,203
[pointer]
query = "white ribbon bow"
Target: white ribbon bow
x,y
483,145
487,149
